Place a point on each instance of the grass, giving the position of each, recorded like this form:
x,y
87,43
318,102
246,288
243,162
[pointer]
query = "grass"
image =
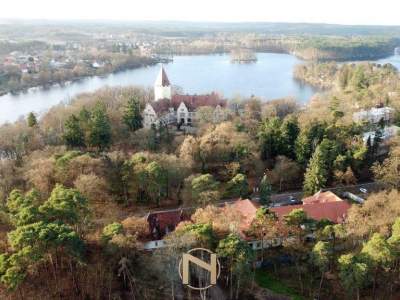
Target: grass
x,y
266,280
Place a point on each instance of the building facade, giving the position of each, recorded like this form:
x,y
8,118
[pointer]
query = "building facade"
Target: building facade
x,y
168,108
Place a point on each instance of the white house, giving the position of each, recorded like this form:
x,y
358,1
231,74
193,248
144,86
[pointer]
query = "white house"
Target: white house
x,y
387,133
374,115
178,109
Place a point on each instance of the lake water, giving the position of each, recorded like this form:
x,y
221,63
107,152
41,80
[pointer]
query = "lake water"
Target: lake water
x,y
269,78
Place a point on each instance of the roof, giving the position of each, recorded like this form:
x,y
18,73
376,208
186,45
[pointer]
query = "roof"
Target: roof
x,y
161,106
335,212
162,222
321,197
248,210
162,78
193,102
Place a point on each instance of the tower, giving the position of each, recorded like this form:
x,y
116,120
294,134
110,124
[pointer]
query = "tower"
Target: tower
x,y
162,86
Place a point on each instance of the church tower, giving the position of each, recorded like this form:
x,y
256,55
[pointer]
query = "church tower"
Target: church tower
x,y
162,86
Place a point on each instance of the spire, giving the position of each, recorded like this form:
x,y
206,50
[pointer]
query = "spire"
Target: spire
x,y
162,79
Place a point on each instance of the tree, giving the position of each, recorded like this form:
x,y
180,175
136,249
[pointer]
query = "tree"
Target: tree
x,y
352,272
265,191
238,255
110,231
205,189
132,115
100,128
264,227
157,181
65,205
316,174
388,172
32,121
377,255
270,137
73,136
41,238
320,258
238,187
290,131
285,174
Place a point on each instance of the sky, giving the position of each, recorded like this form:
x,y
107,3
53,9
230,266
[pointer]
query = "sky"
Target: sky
x,y
363,12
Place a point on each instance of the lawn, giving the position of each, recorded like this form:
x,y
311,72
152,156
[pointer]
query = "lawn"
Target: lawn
x,y
266,280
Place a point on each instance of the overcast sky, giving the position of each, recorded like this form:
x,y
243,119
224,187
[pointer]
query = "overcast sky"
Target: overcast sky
x,y
381,12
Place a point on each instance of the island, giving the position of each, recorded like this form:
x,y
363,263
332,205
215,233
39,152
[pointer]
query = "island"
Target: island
x,y
243,56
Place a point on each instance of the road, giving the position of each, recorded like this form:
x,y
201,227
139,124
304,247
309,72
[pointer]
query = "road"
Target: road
x,y
284,197
355,189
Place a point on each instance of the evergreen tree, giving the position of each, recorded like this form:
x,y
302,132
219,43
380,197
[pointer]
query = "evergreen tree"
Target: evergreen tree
x,y
32,121
238,187
265,191
153,140
290,131
270,137
100,128
316,174
73,133
132,116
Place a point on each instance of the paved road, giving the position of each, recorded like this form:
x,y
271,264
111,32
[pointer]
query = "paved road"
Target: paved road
x,y
284,197
355,189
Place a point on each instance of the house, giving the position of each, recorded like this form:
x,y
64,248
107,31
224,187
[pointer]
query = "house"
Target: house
x,y
162,223
321,206
374,115
335,211
321,197
168,108
387,133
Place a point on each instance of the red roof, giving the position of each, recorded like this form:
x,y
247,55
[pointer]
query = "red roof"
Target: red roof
x,y
322,197
162,222
248,210
161,105
336,212
162,78
192,102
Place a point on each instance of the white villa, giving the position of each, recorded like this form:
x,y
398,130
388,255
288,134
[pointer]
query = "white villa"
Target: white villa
x,y
168,108
388,132
374,115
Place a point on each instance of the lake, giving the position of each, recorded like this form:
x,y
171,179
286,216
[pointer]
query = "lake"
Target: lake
x,y
269,78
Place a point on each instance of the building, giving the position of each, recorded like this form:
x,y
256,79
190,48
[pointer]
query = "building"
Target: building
x,y
335,211
168,108
162,223
388,132
321,206
374,115
162,86
322,197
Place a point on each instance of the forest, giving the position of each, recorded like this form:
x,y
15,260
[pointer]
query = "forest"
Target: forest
x,y
77,182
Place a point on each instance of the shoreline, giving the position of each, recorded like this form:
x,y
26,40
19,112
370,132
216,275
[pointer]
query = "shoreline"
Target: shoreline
x,y
293,53
72,80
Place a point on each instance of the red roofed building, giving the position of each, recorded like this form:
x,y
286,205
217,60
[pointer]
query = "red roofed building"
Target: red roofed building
x,y
178,109
321,197
248,210
335,212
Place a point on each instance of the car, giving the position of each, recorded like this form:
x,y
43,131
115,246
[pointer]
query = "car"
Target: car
x,y
363,190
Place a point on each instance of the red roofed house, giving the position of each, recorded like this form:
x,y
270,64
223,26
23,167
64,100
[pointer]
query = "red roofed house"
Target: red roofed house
x,y
161,223
178,109
321,197
322,205
335,212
